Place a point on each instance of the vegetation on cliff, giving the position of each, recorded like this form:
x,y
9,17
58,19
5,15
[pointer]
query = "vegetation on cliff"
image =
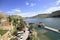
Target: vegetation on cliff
x,y
33,35
2,32
18,23
16,20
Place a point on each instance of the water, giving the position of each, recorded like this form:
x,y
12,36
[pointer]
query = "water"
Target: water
x,y
44,33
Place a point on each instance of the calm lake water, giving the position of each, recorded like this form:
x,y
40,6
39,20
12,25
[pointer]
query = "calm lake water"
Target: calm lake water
x,y
50,22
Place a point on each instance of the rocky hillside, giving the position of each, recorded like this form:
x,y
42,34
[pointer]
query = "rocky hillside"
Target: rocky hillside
x,y
3,15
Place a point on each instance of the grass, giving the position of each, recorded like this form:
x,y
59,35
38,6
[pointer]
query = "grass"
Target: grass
x,y
34,35
12,39
2,32
14,31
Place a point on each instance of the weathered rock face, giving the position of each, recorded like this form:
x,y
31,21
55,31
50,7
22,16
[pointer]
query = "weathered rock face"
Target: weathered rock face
x,y
6,26
3,15
6,36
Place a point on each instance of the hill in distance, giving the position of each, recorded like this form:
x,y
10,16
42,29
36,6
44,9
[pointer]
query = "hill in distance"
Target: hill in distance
x,y
50,15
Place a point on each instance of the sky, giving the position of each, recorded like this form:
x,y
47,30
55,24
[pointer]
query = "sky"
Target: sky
x,y
28,8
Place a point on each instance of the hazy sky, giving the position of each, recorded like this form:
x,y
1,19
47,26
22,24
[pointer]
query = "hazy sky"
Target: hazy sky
x,y
27,8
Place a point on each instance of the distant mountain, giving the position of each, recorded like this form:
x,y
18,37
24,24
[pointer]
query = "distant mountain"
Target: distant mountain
x,y
53,14
41,16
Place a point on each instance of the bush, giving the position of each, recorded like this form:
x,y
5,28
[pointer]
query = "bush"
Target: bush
x,y
12,39
32,26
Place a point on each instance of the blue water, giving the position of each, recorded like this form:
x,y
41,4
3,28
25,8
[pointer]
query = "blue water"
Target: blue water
x,y
44,33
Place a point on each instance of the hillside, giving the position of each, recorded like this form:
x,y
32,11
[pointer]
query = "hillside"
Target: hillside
x,y
3,15
53,14
41,16
16,16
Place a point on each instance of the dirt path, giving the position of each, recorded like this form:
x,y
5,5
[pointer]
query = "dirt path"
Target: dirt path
x,y
26,34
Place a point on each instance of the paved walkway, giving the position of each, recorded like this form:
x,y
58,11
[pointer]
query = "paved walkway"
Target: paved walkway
x,y
52,29
26,34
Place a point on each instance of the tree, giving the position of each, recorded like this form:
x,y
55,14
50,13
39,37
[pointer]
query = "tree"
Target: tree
x,y
32,26
0,19
21,25
10,19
